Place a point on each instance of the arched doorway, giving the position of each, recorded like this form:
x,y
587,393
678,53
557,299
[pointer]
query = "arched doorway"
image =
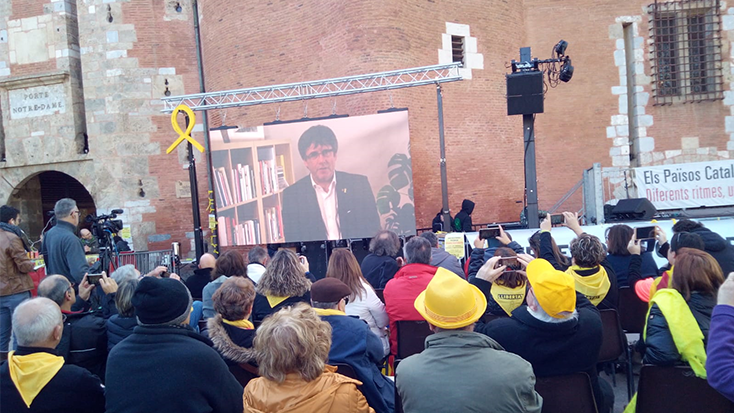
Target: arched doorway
x,y
37,195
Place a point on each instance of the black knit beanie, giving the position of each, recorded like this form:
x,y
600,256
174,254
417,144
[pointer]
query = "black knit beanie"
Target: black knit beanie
x,y
161,301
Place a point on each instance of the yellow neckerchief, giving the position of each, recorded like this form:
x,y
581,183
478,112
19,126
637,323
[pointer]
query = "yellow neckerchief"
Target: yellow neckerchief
x,y
31,373
329,311
275,300
684,329
654,286
595,286
243,324
508,298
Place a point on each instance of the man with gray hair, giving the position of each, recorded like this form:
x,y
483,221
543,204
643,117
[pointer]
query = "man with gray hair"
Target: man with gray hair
x,y
182,359
258,259
64,252
84,342
381,264
412,279
35,377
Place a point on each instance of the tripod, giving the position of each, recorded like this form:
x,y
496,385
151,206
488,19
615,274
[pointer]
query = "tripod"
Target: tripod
x,y
107,255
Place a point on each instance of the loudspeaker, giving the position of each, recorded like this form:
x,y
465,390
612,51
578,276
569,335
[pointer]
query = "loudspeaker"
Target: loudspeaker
x,y
634,209
524,93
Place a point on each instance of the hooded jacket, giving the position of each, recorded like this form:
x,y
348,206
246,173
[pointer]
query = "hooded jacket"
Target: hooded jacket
x,y
464,359
462,221
328,393
14,265
233,344
118,328
718,247
379,269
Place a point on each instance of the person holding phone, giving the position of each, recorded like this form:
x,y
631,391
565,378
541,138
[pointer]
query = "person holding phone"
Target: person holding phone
x,y
619,257
495,237
503,282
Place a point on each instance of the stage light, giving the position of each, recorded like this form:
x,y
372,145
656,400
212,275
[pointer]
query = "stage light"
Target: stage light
x,y
566,71
560,48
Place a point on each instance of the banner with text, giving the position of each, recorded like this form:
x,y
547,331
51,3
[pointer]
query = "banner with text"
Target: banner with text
x,y
688,185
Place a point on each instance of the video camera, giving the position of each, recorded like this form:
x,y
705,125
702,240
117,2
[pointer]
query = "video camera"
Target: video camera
x,y
104,225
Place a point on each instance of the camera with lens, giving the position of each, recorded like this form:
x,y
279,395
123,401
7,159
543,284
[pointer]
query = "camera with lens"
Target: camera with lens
x,y
105,225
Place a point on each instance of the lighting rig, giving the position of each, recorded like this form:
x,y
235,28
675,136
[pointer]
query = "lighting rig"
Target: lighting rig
x,y
526,88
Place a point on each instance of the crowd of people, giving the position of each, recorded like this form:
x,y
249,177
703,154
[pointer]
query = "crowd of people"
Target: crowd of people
x,y
260,333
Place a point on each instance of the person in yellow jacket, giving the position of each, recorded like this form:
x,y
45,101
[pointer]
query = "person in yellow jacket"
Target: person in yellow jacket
x,y
35,378
292,346
679,317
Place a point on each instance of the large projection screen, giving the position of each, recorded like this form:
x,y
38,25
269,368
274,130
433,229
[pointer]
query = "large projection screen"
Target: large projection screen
x,y
326,179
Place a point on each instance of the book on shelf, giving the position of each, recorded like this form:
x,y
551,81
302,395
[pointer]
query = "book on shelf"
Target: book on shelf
x,y
223,196
274,223
280,172
233,233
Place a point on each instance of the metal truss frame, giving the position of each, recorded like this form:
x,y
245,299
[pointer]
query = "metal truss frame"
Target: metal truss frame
x,y
349,85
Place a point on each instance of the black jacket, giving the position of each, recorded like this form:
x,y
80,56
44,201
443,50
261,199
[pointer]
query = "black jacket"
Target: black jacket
x,y
169,369
621,264
233,344
64,252
658,347
72,389
118,328
611,300
462,220
261,307
478,257
553,349
719,248
379,269
197,282
357,210
84,342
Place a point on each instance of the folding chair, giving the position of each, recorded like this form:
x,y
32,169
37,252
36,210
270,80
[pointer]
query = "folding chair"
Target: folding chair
x,y
614,345
677,390
345,370
380,294
632,311
244,372
568,393
202,325
411,337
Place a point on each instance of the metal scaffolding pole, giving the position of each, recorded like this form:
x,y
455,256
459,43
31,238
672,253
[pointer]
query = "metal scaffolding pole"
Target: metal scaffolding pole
x,y
350,85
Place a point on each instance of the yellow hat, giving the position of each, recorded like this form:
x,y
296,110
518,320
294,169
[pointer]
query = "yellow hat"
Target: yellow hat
x,y
555,290
450,302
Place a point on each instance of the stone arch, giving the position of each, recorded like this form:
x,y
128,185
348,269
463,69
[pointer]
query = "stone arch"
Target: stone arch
x,y
36,194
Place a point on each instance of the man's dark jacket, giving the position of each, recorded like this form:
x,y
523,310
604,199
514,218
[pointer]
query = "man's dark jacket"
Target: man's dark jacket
x,y
261,306
718,247
84,342
65,254
379,269
156,361
197,282
353,343
118,328
553,348
72,389
357,210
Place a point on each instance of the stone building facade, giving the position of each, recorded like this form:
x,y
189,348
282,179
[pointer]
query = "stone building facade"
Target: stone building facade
x,y
80,83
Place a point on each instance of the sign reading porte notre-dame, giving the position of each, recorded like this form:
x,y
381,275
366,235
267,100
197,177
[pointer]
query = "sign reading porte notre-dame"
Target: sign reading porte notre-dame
x,y
37,101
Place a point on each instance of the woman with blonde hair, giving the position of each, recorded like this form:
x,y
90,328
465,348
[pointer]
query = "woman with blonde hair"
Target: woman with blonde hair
x,y
292,347
363,302
283,284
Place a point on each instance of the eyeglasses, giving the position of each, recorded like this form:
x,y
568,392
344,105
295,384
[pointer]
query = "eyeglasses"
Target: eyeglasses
x,y
326,153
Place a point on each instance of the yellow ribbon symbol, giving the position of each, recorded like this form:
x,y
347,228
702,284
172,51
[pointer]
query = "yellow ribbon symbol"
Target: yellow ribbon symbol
x,y
189,128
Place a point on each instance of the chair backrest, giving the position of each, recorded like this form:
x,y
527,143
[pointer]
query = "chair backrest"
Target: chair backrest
x,y
568,393
411,337
677,389
202,325
244,372
380,294
632,311
345,370
612,345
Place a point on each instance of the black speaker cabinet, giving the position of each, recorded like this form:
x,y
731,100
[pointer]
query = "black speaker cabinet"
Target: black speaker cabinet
x,y
524,93
634,209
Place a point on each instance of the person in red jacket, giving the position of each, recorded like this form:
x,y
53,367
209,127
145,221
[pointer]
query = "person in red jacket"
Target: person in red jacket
x,y
400,292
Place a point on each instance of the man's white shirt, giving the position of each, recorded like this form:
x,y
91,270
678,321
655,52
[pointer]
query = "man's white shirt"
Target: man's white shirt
x,y
329,206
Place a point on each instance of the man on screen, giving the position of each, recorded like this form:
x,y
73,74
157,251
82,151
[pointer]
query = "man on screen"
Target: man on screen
x,y
327,204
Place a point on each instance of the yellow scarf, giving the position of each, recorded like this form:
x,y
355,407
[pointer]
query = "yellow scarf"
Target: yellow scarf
x,y
595,287
273,300
328,311
31,373
654,286
508,298
684,329
243,324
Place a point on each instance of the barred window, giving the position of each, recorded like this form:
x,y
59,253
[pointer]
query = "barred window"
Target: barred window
x,y
686,55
